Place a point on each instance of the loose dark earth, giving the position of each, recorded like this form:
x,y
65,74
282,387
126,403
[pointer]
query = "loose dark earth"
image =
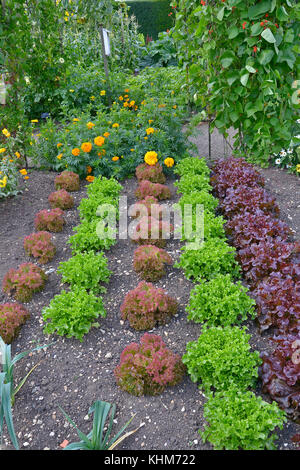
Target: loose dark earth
x,y
73,374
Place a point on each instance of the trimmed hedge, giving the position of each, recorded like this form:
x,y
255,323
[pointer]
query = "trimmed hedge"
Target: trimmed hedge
x,y
152,16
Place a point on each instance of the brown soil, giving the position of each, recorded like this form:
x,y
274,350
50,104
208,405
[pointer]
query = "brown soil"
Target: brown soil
x,y
73,374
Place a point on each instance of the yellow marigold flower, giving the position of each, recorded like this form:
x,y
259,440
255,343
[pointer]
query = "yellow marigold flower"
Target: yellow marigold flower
x,y
26,177
151,158
116,125
90,125
86,147
17,154
125,96
89,169
125,104
132,150
106,134
6,132
90,178
149,131
76,152
150,121
132,103
143,102
175,106
11,160
59,156
2,150
115,159
121,98
93,98
23,172
136,108
146,138
72,91
75,120
298,168
34,120
99,141
59,145
3,182
169,162
102,92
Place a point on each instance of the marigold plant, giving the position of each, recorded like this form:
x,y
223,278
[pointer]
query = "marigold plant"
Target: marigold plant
x,y
150,262
145,306
149,367
12,316
61,199
23,282
40,246
51,220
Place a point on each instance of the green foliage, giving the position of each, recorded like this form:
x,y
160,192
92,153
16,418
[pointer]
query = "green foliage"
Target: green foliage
x,y
88,206
152,15
213,258
243,60
86,238
203,197
160,53
189,183
221,358
9,181
73,313
239,420
109,188
220,302
192,166
99,438
86,270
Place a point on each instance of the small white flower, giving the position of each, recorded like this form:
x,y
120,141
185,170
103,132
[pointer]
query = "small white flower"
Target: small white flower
x,y
297,136
298,121
61,60
277,161
289,166
283,153
290,151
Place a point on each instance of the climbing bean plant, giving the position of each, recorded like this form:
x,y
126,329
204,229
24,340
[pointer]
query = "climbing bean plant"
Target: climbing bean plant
x,y
245,63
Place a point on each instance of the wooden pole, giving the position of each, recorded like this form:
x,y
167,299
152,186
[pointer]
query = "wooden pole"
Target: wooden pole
x,y
105,62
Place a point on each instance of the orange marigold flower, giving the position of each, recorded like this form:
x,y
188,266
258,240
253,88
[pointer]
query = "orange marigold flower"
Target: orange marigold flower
x,y
99,141
115,159
59,145
76,152
86,147
17,154
23,172
89,169
90,125
59,156
106,134
116,125
90,178
149,131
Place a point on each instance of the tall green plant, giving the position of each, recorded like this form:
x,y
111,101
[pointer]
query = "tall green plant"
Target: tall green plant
x,y
248,60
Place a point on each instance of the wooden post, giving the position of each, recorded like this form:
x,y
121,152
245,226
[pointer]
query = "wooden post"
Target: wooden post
x,y
105,62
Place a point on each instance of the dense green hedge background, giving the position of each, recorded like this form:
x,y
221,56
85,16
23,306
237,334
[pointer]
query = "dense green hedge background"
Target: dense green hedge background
x,y
152,15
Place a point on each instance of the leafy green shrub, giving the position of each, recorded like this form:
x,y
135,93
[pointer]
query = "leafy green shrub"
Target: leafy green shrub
x,y
152,15
150,261
189,183
73,313
149,367
240,420
221,358
67,180
108,187
23,282
12,316
88,206
209,202
49,220
153,173
192,166
145,306
86,270
9,181
220,302
86,238
61,199
213,258
40,245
